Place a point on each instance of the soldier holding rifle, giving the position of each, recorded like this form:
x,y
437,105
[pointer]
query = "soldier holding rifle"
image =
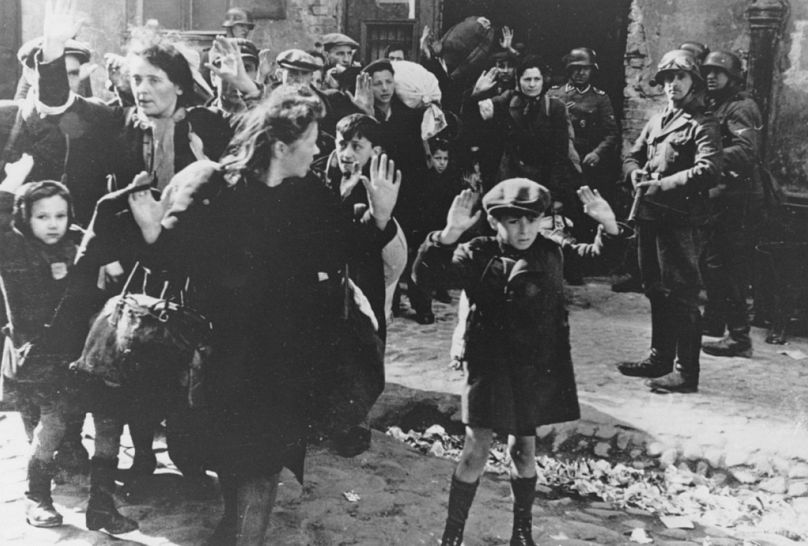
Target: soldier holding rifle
x,y
672,166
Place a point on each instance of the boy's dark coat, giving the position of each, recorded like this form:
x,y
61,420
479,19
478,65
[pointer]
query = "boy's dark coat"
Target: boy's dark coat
x,y
520,373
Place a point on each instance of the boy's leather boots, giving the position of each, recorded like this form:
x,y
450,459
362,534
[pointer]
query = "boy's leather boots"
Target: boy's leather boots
x,y
524,493
461,495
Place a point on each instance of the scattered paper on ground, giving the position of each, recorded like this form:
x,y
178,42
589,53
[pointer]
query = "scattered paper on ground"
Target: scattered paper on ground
x,y
351,496
796,354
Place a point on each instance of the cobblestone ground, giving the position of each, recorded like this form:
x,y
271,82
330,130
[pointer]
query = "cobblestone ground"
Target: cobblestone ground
x,y
748,421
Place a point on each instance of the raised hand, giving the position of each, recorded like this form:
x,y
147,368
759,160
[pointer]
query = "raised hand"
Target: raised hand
x,y
426,38
486,81
231,66
460,217
17,173
507,38
597,208
62,22
382,188
363,97
146,210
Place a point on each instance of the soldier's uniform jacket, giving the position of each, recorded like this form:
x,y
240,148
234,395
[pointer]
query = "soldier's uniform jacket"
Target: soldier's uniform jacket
x,y
740,122
592,118
684,146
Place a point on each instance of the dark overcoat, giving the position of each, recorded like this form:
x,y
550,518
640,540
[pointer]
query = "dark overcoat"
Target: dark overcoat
x,y
519,371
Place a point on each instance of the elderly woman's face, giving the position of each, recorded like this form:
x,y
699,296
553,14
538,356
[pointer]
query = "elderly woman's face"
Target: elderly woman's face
x,y
155,94
297,156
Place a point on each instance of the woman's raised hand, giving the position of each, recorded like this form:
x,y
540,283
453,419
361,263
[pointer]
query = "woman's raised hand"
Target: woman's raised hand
x,y
146,210
460,217
597,208
382,188
62,22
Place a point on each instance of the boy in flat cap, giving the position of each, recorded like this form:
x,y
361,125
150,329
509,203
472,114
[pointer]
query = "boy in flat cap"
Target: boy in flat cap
x,y
518,367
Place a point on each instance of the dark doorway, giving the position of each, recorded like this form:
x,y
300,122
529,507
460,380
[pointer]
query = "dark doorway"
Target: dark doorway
x,y
552,27
9,44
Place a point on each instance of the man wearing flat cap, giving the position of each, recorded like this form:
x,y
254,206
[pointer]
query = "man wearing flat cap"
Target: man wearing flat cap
x,y
339,49
296,67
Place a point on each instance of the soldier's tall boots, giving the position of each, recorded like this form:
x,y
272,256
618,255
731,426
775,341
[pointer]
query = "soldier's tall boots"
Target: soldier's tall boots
x,y
685,376
461,495
524,493
659,361
101,511
40,511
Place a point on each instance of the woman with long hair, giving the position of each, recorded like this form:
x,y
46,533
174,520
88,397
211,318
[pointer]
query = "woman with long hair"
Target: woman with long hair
x,y
267,258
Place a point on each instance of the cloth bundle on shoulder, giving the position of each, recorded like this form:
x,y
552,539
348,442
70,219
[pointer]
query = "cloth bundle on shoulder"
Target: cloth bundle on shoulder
x,y
465,47
139,340
418,88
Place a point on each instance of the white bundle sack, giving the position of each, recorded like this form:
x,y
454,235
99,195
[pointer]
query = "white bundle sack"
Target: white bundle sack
x,y
415,85
418,88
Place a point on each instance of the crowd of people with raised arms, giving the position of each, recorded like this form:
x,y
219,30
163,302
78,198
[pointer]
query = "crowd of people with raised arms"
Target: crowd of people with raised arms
x,y
262,217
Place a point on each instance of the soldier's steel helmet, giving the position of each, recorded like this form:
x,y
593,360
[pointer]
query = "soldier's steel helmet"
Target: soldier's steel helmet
x,y
725,60
698,49
238,16
675,60
581,56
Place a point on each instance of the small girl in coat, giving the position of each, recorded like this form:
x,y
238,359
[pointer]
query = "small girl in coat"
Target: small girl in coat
x,y
518,367
37,249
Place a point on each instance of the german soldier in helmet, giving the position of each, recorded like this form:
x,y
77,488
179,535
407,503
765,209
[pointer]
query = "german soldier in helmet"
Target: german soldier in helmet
x,y
238,23
698,49
672,166
592,117
737,204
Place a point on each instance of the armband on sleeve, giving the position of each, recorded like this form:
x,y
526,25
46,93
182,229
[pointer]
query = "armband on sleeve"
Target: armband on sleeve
x,y
486,108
